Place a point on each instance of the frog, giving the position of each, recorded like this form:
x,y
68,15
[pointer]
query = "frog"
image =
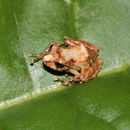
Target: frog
x,y
73,56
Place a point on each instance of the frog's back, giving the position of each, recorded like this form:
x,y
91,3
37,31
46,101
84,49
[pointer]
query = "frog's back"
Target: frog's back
x,y
78,54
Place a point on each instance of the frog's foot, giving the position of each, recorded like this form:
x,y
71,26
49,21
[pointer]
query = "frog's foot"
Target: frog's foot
x,y
37,57
73,81
67,82
64,82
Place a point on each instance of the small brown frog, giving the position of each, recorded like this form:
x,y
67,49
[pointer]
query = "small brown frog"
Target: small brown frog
x,y
73,56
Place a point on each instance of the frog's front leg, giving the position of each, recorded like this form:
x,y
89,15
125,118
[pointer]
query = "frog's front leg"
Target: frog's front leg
x,y
76,77
62,43
70,82
69,41
92,71
37,57
73,42
40,56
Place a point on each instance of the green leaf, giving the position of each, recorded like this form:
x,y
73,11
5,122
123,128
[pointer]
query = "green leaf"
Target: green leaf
x,y
29,26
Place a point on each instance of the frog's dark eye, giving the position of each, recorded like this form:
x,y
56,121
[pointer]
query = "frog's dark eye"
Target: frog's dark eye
x,y
50,47
47,50
58,65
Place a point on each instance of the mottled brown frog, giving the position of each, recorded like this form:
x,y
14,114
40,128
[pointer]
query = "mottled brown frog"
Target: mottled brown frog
x,y
72,56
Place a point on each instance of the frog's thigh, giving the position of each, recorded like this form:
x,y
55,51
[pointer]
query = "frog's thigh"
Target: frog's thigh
x,y
97,69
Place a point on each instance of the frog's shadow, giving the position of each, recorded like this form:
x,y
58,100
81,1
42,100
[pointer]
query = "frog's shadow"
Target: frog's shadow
x,y
55,72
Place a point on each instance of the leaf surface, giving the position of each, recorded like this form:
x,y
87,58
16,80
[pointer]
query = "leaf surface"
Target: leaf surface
x,y
29,27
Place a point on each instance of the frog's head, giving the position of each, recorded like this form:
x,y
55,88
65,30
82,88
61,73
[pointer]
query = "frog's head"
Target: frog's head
x,y
51,58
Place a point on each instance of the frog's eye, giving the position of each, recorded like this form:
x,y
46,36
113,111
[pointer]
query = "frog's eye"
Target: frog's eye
x,y
58,65
47,50
50,48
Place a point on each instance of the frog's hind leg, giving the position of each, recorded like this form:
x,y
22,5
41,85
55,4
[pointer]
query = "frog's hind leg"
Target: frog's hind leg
x,y
99,63
92,71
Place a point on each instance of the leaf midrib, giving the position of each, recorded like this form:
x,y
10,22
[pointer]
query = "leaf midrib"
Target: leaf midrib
x,y
21,44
